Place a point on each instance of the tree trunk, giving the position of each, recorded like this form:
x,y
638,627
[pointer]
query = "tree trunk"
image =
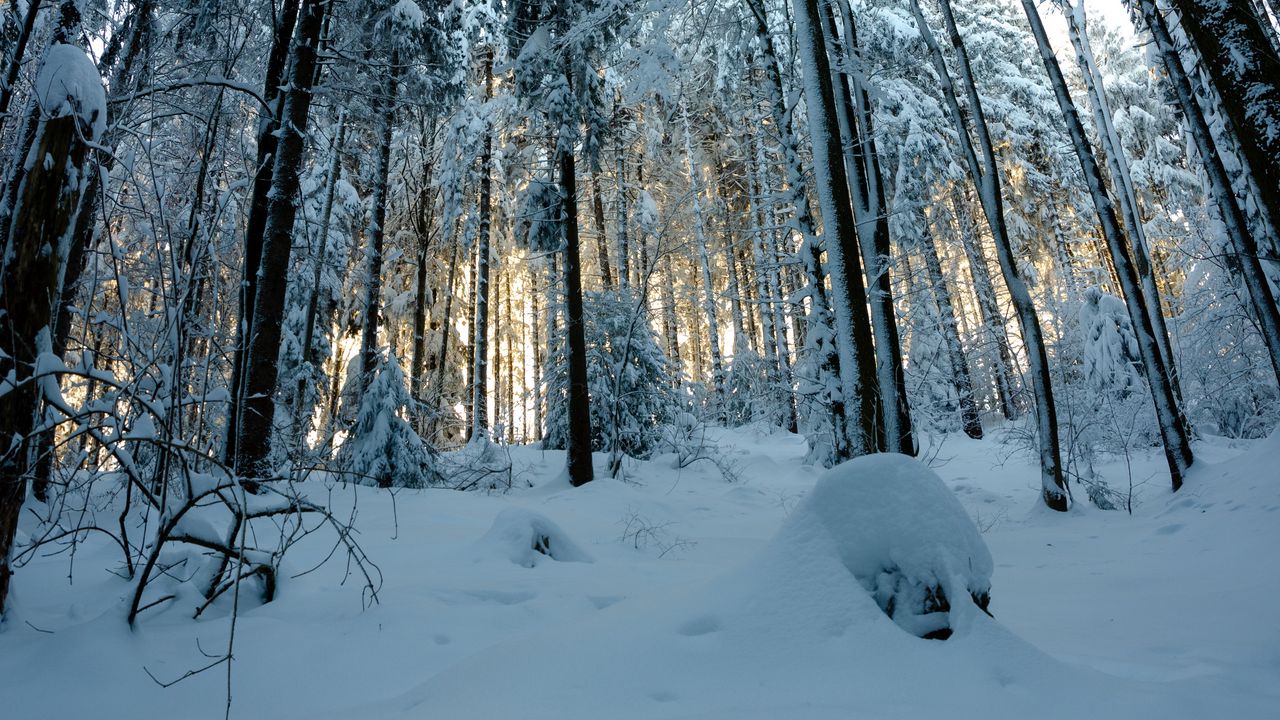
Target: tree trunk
x,y
480,326
259,208
853,326
708,288
960,377
819,335
1244,70
376,234
257,410
872,218
602,245
578,452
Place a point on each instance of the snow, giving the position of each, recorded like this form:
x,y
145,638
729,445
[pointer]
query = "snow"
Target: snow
x,y
1167,613
406,14
68,84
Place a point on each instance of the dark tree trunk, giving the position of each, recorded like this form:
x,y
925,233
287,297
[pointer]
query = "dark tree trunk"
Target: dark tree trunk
x,y
1244,69
853,325
602,244
257,409
985,174
578,452
259,206
377,233
480,326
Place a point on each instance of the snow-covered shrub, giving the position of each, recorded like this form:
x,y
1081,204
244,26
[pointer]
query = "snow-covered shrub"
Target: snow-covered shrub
x,y
631,381
905,537
382,447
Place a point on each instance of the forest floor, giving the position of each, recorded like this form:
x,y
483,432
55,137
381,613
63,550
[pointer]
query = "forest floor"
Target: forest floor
x,y
684,606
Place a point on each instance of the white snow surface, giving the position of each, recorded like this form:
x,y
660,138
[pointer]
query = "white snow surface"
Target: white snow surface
x,y
69,84
708,599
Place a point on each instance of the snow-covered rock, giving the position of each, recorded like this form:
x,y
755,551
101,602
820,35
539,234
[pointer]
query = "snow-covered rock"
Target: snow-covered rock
x,y
526,537
904,536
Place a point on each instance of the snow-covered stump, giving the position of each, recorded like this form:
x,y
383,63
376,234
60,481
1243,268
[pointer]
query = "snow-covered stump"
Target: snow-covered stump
x,y
526,537
72,111
902,533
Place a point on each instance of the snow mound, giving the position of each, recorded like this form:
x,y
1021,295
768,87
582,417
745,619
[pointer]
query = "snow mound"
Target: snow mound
x,y
68,84
526,538
905,537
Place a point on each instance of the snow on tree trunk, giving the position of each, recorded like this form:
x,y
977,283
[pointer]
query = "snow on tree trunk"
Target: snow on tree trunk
x,y
376,233
828,440
1244,69
268,140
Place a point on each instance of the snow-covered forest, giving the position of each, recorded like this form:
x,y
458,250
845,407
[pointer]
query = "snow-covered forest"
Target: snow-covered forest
x,y
657,358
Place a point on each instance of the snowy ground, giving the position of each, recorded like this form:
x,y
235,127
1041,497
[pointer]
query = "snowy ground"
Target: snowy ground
x,y
694,605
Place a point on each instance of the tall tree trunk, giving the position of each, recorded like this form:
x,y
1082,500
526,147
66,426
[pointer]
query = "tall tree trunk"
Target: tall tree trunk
x,y
986,176
480,326
376,234
578,452
708,288
1169,417
872,219
1244,70
259,209
819,335
257,407
853,326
